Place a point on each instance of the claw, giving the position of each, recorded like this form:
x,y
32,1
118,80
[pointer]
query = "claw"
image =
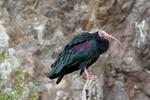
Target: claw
x,y
90,77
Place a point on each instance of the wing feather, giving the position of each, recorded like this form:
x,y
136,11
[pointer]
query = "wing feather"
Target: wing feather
x,y
85,36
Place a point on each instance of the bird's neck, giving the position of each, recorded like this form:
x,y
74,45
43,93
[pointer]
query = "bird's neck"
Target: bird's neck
x,y
102,43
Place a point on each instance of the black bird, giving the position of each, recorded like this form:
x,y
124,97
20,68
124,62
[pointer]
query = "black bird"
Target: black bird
x,y
80,52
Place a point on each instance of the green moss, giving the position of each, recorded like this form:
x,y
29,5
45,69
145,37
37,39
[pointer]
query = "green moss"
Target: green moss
x,y
1,58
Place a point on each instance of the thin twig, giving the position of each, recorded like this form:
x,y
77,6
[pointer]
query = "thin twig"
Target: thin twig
x,y
88,86
84,90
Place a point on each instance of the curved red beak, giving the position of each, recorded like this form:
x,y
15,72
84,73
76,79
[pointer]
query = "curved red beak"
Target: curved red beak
x,y
112,37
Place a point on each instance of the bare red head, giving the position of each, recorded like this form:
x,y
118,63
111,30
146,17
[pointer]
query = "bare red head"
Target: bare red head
x,y
103,34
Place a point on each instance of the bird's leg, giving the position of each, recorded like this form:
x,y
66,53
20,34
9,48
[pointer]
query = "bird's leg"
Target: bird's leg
x,y
88,75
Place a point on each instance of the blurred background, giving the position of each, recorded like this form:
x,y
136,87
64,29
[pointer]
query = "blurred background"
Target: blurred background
x,y
34,32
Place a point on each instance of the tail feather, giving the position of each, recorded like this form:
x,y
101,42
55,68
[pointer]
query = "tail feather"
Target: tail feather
x,y
53,76
59,78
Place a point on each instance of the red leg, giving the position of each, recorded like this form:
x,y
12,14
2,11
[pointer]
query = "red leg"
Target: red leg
x,y
88,75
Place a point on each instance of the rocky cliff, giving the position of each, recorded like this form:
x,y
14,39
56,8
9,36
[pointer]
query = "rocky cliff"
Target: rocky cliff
x,y
33,32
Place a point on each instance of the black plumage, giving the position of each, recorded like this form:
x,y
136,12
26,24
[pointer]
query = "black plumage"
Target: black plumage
x,y
80,52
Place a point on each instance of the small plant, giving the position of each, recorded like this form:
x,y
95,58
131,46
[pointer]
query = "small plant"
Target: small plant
x,y
16,88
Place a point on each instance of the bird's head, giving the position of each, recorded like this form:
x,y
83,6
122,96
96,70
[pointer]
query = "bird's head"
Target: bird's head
x,y
103,34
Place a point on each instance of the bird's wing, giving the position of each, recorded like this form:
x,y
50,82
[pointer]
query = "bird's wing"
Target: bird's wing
x,y
77,40
85,36
72,56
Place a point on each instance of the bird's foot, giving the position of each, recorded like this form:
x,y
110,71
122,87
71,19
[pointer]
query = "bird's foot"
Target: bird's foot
x,y
91,77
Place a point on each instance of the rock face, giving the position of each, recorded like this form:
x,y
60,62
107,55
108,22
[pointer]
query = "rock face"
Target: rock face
x,y
33,32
